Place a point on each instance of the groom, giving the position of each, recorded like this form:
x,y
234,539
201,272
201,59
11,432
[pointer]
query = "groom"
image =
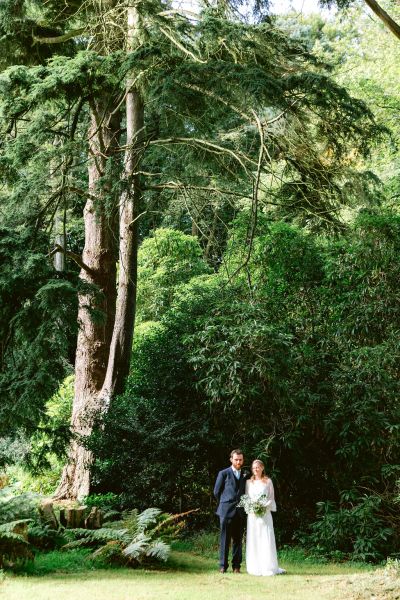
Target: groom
x,y
229,487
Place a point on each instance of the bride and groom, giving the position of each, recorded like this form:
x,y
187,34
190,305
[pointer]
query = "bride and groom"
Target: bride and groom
x,y
257,494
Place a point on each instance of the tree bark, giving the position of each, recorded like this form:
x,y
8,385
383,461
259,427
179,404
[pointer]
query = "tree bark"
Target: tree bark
x,y
121,343
47,514
94,336
104,352
74,517
94,520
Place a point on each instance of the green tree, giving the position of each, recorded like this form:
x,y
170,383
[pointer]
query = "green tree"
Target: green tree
x,y
234,110
167,259
38,327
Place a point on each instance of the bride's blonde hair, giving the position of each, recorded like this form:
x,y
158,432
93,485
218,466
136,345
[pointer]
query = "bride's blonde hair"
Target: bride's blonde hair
x,y
259,462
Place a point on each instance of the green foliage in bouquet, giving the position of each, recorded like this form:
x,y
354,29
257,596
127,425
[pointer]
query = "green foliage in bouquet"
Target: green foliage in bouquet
x,y
256,506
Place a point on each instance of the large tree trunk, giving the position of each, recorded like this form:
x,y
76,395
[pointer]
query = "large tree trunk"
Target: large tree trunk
x,y
99,259
104,352
121,344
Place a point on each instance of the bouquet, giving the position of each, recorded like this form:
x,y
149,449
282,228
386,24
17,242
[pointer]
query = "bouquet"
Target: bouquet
x,y
256,506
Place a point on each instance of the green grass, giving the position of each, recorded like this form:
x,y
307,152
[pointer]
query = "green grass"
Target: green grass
x,y
191,575
75,561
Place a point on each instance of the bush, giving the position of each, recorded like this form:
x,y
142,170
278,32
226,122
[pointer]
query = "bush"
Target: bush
x,y
22,529
107,501
156,443
295,359
357,532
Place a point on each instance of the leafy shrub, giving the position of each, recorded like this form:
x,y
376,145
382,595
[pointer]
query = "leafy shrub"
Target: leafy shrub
x,y
295,357
357,531
43,481
109,503
105,501
151,446
166,260
204,543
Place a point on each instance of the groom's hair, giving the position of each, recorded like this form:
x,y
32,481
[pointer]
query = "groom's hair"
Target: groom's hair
x,y
236,451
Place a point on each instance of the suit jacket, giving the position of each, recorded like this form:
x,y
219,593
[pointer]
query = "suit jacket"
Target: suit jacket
x,y
227,491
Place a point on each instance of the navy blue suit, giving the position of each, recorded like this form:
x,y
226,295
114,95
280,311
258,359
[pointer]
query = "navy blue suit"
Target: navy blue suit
x,y
228,490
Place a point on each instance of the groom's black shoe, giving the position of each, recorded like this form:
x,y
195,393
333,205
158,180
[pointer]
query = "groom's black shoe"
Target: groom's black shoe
x,y
236,570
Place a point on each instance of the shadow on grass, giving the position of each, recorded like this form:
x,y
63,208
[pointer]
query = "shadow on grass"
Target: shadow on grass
x,y
295,560
190,563
182,560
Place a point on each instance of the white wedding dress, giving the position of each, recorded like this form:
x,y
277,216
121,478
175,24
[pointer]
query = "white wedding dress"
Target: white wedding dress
x,y
261,556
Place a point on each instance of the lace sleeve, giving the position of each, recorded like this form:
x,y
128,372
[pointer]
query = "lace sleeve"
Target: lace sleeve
x,y
271,495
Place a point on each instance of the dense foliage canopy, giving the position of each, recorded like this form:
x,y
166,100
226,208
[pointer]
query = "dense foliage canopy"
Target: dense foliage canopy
x,y
264,173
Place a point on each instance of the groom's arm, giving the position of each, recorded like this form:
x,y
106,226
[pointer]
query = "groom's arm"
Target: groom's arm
x,y
219,485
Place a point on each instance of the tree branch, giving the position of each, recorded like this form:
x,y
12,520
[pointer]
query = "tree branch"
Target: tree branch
x,y
59,39
73,256
238,156
172,185
384,17
181,46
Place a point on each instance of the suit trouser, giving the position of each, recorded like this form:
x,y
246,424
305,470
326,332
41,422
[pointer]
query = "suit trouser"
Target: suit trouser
x,y
231,529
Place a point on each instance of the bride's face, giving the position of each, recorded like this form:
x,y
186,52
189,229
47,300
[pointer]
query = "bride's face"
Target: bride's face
x,y
257,470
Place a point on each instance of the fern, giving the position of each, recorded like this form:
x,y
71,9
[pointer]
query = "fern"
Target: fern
x,y
95,537
133,539
14,545
148,517
21,506
7,531
17,511
136,549
109,515
158,550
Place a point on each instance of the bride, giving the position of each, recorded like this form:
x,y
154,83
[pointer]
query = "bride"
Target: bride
x,y
261,556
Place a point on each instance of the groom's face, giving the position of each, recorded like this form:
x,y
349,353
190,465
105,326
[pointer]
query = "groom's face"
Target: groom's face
x,y
237,461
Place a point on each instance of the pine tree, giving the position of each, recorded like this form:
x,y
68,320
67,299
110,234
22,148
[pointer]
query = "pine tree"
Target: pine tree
x,y
217,111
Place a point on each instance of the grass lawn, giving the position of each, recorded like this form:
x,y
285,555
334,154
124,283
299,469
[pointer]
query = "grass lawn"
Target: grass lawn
x,y
188,576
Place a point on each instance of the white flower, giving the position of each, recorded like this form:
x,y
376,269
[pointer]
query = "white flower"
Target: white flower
x,y
256,506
